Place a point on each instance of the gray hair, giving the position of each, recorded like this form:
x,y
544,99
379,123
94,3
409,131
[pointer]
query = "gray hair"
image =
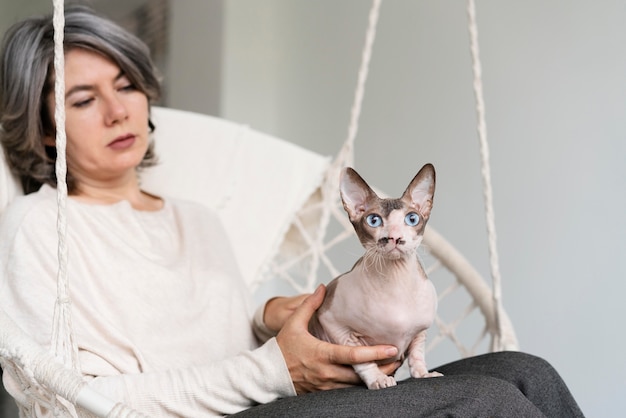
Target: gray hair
x,y
27,77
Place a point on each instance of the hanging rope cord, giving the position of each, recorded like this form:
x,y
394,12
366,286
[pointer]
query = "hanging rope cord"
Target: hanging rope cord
x,y
486,175
346,154
64,346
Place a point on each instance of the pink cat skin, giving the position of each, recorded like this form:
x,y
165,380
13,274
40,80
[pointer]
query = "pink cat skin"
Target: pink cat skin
x,y
386,298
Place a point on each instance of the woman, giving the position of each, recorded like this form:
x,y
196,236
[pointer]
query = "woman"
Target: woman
x,y
161,314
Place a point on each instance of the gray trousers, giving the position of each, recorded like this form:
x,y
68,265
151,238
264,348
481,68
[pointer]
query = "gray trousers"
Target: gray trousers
x,y
504,384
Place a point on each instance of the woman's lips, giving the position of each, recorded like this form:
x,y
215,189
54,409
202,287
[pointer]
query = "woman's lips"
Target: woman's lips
x,y
122,142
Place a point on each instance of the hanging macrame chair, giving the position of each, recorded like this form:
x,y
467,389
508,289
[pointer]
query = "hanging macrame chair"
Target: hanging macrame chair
x,y
311,225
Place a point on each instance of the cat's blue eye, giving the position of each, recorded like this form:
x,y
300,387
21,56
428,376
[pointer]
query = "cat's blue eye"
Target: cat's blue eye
x,y
412,219
374,220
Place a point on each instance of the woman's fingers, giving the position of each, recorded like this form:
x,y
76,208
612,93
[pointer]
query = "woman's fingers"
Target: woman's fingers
x,y
279,309
390,369
318,365
309,305
361,354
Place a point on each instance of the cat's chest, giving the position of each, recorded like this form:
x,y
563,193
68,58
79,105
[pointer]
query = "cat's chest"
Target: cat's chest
x,y
390,310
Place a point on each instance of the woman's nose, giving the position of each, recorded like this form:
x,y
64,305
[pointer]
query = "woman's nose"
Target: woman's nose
x,y
115,110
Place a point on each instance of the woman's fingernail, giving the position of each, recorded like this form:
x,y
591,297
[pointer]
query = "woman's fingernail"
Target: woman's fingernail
x,y
391,351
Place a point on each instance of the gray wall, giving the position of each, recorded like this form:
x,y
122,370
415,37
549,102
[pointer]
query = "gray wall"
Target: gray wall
x,y
555,91
13,10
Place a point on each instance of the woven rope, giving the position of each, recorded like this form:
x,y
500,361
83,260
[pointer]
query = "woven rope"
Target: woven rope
x,y
485,171
63,344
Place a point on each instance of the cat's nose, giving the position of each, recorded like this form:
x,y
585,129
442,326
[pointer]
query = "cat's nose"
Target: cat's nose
x,y
394,234
393,240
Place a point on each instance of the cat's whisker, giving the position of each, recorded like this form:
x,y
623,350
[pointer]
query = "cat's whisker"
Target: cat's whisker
x,y
376,261
379,260
373,260
369,258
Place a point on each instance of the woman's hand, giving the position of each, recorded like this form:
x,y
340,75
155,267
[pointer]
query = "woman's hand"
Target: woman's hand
x,y
279,309
317,365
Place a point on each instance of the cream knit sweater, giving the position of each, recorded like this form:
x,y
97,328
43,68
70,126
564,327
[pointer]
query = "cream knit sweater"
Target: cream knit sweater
x,y
162,318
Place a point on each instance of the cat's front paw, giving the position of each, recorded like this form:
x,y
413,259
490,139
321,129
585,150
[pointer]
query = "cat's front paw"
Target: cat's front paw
x,y
382,382
424,373
433,374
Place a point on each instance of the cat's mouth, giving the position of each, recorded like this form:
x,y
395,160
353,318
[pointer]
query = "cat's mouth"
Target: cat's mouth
x,y
397,250
393,251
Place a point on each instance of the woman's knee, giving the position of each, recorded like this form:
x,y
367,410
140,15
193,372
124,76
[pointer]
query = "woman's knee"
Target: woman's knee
x,y
490,396
518,367
519,357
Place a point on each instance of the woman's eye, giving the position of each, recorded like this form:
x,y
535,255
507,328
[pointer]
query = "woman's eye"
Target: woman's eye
x,y
124,84
127,87
412,219
374,220
82,103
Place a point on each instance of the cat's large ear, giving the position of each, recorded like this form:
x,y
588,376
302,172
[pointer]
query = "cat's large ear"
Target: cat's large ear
x,y
421,190
355,193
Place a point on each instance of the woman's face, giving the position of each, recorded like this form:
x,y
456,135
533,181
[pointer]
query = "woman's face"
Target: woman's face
x,y
106,121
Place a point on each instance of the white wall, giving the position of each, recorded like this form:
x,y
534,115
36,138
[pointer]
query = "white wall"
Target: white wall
x,y
555,90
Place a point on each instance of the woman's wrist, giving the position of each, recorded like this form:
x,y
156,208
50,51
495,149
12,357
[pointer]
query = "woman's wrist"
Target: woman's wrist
x,y
269,315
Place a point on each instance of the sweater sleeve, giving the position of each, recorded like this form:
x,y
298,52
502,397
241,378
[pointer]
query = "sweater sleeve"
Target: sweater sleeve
x,y
261,331
221,388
